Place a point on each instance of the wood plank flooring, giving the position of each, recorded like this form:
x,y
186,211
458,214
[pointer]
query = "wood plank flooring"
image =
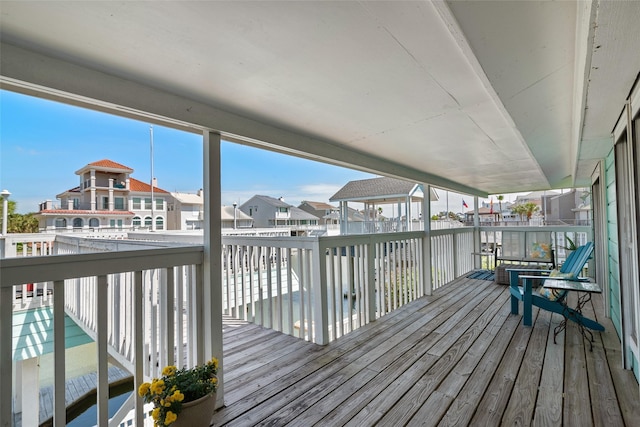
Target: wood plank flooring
x,y
455,358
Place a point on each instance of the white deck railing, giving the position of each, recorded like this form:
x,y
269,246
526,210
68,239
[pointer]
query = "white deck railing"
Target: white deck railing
x,y
321,288
141,306
315,288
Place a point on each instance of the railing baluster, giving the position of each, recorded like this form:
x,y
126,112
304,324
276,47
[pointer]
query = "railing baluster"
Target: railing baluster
x,y
153,347
226,262
289,293
170,315
340,285
192,318
279,306
269,288
301,284
244,305
331,278
261,268
309,280
252,296
180,309
370,281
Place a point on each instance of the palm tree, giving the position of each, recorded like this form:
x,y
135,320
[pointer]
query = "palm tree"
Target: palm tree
x,y
500,199
16,222
530,208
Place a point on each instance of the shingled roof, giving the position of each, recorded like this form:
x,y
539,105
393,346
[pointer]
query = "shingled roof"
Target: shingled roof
x,y
270,200
384,188
319,205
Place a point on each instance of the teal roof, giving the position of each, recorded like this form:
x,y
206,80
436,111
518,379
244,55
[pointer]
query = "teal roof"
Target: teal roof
x,y
33,333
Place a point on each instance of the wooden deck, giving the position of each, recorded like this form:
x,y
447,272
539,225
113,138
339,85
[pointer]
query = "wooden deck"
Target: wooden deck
x,y
452,359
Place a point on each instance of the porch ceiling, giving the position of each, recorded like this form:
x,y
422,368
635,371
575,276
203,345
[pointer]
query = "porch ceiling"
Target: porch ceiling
x,y
477,96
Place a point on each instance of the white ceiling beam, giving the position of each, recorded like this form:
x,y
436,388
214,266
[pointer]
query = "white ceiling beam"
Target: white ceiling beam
x,y
33,73
585,31
458,35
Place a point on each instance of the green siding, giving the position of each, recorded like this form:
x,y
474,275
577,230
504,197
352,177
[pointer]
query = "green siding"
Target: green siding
x,y
32,333
612,244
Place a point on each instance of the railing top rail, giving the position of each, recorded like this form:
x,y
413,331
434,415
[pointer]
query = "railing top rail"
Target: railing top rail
x,y
351,239
16,271
554,228
457,230
271,241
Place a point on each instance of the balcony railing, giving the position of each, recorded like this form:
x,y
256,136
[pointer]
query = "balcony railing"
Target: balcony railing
x,y
314,288
142,307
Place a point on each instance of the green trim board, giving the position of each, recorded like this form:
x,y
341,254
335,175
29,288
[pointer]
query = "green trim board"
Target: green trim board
x,y
32,333
612,243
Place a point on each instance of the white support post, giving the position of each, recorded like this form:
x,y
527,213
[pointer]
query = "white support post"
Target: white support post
x,y
59,405
31,391
344,218
212,263
102,309
407,208
426,241
319,289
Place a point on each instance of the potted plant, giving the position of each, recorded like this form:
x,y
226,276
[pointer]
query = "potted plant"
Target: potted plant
x,y
177,396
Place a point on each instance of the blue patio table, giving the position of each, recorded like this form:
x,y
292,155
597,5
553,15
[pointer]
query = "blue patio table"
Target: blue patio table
x,y
584,289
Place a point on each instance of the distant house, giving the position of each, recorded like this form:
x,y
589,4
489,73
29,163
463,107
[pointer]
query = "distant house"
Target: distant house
x,y
185,211
326,213
269,212
572,207
108,197
232,217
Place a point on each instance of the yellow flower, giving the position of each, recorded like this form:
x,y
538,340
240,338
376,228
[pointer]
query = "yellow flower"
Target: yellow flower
x,y
144,389
214,381
169,371
171,417
155,414
157,386
214,363
177,396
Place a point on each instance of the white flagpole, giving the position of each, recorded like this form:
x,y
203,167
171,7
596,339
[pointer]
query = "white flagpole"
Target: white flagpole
x,y
153,220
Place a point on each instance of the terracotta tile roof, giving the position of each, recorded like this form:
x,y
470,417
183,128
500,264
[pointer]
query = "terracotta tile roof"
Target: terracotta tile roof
x,y
78,212
135,185
106,163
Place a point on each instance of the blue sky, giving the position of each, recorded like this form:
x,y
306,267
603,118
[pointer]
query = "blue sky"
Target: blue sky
x,y
44,142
